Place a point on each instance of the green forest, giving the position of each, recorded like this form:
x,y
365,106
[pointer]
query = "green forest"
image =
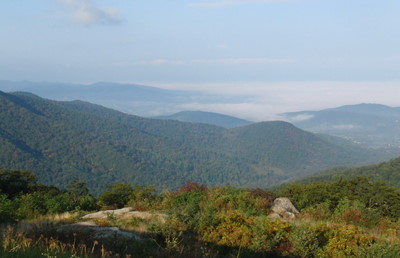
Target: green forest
x,y
388,172
62,141
343,218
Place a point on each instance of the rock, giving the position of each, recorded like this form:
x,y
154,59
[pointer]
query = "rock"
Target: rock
x,y
95,232
105,214
127,213
284,209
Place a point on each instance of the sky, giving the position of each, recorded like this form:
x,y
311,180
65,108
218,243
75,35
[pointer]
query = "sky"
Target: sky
x,y
288,54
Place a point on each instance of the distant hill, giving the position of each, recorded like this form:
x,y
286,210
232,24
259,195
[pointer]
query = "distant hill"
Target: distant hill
x,y
60,141
207,118
370,124
388,172
129,98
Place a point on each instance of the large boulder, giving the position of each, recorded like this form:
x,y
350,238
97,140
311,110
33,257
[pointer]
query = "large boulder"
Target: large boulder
x,y
284,209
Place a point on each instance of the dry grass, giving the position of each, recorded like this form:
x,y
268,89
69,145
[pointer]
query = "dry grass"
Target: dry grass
x,y
41,240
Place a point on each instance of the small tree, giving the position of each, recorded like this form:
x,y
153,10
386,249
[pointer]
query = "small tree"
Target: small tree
x,y
116,196
16,182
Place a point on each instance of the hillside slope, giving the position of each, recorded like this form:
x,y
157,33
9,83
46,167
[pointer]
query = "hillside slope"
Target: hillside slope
x,y
388,172
60,141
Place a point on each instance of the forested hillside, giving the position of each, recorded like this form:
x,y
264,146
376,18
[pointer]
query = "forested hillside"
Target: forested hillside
x,y
388,172
61,141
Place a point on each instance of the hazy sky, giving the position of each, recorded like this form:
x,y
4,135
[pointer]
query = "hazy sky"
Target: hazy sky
x,y
294,47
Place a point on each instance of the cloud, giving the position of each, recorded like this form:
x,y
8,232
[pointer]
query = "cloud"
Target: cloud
x,y
265,100
300,118
226,3
344,126
159,62
86,12
223,61
235,61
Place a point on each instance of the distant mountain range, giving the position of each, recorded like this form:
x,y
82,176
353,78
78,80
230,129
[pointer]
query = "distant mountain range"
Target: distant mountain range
x,y
369,124
206,118
129,98
60,141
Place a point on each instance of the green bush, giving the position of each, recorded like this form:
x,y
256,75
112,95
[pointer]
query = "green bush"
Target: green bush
x,y
355,212
7,209
184,204
320,211
379,249
308,240
116,196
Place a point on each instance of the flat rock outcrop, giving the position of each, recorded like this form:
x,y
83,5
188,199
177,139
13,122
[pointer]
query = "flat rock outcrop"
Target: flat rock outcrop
x,y
105,214
96,232
126,213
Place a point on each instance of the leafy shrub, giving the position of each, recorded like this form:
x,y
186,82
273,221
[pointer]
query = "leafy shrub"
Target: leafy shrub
x,y
379,249
344,241
144,198
14,182
224,199
32,205
233,229
236,229
320,211
354,212
270,234
184,204
307,240
116,196
265,197
7,209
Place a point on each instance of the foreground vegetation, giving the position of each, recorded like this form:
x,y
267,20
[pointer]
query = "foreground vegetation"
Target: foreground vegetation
x,y
344,218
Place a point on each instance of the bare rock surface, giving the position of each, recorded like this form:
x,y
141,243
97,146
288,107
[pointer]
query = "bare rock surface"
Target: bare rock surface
x,y
126,213
105,214
284,209
96,232
90,228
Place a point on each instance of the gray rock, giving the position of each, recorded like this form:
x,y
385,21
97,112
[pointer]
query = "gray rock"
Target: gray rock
x,y
284,209
96,232
105,214
127,213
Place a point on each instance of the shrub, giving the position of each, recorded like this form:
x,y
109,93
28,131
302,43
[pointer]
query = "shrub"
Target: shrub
x,y
354,212
116,196
184,204
233,229
258,234
344,241
379,249
308,240
320,211
145,198
7,213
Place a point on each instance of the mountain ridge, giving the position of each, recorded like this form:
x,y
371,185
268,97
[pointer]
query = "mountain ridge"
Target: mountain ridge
x,y
374,125
62,141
